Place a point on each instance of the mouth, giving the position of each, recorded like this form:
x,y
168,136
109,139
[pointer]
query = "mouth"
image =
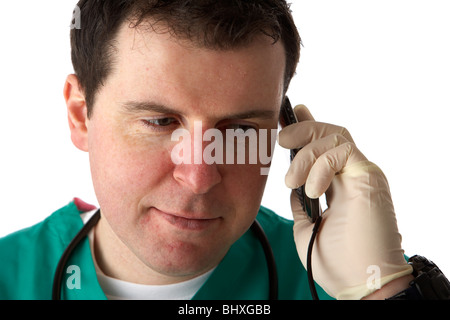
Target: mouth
x,y
185,222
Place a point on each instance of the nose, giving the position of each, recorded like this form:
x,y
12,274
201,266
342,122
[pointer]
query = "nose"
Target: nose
x,y
196,174
199,178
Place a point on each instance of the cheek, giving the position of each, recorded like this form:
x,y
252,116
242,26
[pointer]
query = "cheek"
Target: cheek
x,y
123,171
245,188
245,181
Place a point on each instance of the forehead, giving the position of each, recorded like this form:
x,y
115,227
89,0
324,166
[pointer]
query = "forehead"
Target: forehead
x,y
149,62
144,41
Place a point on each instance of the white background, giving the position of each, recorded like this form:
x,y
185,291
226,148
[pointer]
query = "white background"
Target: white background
x,y
379,68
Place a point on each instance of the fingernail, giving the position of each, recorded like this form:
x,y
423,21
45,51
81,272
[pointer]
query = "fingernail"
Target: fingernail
x,y
310,192
288,181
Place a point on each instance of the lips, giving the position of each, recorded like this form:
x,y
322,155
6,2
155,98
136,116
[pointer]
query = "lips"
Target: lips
x,y
185,222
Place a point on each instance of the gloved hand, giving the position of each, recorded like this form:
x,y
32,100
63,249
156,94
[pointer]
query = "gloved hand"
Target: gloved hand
x,y
359,231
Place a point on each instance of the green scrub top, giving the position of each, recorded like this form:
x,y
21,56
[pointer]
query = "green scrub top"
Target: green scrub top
x,y
28,260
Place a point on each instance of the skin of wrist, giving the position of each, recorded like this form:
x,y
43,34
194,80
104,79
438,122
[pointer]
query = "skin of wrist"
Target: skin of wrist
x,y
390,289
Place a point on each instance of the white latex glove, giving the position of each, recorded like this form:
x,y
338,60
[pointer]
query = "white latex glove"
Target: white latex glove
x,y
358,234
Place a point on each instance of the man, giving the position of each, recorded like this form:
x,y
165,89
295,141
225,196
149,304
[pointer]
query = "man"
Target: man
x,y
145,69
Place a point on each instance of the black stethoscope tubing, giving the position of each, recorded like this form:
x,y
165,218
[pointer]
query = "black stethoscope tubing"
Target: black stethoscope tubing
x,y
256,228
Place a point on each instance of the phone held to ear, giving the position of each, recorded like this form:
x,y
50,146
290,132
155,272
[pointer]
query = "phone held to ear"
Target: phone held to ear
x,y
310,206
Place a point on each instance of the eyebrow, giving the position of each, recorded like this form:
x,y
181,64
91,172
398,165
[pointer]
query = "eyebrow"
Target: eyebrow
x,y
137,106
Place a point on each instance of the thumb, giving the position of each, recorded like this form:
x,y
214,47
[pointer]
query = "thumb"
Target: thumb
x,y
300,217
303,113
302,228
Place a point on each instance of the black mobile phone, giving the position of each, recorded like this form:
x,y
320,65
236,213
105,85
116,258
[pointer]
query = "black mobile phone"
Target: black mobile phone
x,y
310,206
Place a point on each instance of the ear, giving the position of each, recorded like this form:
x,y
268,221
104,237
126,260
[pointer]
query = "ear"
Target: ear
x,y
77,112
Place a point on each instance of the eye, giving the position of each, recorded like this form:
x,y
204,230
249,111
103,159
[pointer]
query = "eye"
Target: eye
x,y
240,126
161,122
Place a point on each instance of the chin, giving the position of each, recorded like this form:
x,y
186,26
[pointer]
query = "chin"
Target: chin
x,y
186,260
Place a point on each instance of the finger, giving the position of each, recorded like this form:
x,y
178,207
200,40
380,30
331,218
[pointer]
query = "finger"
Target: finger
x,y
306,157
302,224
303,113
297,208
328,165
300,134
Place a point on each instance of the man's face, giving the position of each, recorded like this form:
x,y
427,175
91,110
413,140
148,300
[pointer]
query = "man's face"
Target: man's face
x,y
179,220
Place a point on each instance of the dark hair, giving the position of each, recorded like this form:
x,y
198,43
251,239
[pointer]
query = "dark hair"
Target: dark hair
x,y
214,24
